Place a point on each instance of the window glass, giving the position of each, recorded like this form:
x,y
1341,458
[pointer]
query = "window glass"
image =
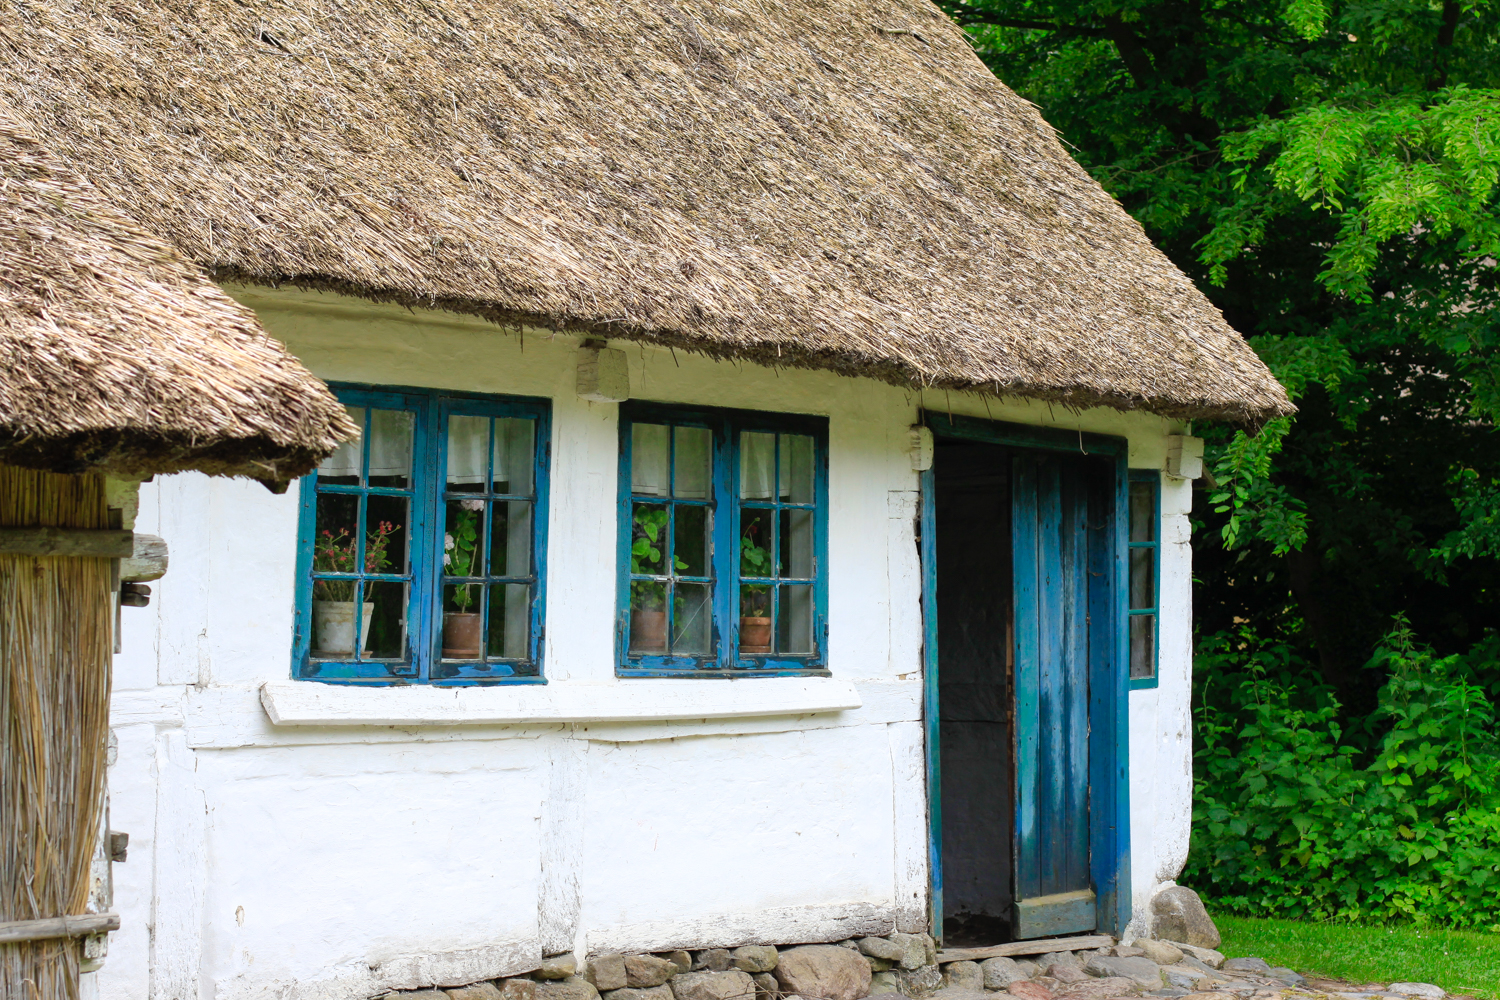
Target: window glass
x,y
671,577
681,543
1145,572
387,598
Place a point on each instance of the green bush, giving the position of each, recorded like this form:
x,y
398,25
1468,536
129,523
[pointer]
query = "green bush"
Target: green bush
x,y
1294,816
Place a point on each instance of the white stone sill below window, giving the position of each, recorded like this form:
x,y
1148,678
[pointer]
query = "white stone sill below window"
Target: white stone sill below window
x,y
308,703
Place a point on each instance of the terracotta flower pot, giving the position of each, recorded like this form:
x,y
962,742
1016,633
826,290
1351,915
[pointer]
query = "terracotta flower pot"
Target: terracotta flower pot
x,y
648,631
755,636
461,636
333,628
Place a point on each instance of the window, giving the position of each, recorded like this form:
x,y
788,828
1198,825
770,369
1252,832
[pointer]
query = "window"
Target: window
x,y
1145,575
424,538
723,540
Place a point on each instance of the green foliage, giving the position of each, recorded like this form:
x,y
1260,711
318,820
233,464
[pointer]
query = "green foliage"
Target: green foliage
x,y
460,544
1294,816
648,541
755,560
1327,171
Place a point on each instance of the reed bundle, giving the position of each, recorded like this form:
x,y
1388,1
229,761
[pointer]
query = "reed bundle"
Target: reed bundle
x,y
55,644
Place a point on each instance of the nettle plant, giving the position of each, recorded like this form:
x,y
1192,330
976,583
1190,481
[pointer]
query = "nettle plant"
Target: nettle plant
x,y
1295,816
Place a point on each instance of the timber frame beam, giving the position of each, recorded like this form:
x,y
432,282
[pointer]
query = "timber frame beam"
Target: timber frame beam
x,y
13,931
86,542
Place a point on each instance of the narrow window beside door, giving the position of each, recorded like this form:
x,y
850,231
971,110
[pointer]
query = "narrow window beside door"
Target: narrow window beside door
x,y
422,543
722,538
1145,575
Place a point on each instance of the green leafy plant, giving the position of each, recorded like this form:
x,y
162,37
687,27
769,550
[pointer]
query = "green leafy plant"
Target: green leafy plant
x,y
460,545
648,540
336,553
755,560
1295,816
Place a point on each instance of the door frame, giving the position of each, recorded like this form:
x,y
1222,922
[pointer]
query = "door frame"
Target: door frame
x,y
1109,681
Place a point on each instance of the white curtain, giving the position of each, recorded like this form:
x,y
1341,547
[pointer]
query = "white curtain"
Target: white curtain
x,y
468,449
691,465
757,466
648,460
390,445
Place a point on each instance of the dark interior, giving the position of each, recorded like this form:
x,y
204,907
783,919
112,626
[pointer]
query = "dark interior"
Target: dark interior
x,y
975,665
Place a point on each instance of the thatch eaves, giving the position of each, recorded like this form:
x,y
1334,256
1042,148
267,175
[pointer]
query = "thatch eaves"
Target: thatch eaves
x,y
837,184
121,356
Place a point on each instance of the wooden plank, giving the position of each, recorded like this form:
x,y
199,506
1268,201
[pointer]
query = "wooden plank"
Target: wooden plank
x,y
1060,913
1026,948
92,543
1026,597
12,931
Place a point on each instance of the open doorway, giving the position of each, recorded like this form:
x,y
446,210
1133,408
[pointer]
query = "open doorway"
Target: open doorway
x,y
1023,563
974,690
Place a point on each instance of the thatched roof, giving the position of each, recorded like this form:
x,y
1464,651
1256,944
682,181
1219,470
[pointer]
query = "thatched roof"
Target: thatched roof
x,y
120,355
827,183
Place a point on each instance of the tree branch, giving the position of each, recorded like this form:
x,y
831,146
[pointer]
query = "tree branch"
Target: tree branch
x,y
1132,52
967,14
1451,12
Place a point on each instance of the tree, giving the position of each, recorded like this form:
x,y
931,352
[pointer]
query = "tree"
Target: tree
x,y
1326,171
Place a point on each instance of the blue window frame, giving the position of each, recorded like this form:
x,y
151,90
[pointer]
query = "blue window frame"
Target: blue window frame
x,y
1145,575
723,542
426,538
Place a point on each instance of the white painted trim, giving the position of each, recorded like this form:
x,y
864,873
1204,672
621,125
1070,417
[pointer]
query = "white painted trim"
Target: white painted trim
x,y
308,703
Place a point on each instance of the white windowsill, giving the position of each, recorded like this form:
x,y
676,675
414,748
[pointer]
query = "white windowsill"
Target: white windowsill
x,y
644,699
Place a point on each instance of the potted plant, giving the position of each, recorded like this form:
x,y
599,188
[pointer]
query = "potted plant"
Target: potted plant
x,y
333,600
648,598
755,598
462,629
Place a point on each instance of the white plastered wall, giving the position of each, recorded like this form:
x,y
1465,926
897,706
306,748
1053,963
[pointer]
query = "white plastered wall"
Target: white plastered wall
x,y
339,861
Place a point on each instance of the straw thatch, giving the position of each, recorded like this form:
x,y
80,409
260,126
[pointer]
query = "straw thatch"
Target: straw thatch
x,y
828,183
122,356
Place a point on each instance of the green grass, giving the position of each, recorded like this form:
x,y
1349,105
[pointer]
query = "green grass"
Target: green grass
x,y
1458,961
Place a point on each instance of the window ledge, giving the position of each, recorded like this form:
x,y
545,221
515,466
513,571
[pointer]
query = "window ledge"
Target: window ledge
x,y
308,703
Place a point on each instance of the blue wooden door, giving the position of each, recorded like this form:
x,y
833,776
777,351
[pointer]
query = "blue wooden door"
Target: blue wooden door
x,y
1052,545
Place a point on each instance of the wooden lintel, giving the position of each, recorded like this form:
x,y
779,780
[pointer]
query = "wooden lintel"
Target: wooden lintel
x,y
82,925
1026,948
89,542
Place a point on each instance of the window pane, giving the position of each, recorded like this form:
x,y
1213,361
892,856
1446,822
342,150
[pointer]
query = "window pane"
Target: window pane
x,y
343,466
648,460
794,617
1142,578
797,544
1142,646
390,448
462,621
336,545
755,619
510,538
648,539
468,453
796,468
1143,512
757,466
386,627
515,455
463,541
692,611
648,617
386,528
692,545
510,621
334,623
691,463
755,542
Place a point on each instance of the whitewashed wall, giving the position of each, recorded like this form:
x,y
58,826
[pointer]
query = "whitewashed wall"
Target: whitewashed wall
x,y
337,861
